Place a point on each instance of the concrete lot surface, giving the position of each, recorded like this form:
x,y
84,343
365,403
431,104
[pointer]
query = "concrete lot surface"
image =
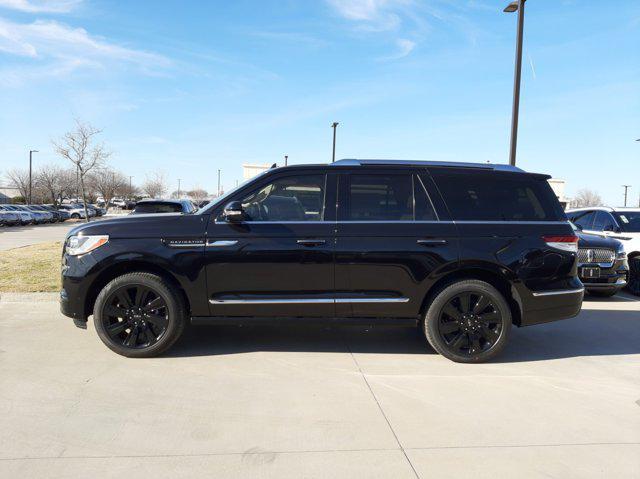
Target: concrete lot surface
x,y
279,402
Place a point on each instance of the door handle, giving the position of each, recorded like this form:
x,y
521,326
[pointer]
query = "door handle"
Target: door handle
x,y
431,242
311,242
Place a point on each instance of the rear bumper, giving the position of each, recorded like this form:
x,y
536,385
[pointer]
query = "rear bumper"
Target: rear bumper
x,y
552,305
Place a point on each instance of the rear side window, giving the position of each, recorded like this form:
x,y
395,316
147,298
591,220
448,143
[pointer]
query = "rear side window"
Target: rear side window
x,y
393,197
585,220
497,196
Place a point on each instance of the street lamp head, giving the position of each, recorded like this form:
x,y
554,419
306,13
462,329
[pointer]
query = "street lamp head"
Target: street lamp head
x,y
334,124
34,151
512,7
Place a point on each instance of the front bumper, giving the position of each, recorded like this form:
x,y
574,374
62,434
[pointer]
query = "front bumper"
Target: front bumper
x,y
611,278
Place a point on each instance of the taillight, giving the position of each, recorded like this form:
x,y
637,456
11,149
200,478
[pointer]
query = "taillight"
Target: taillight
x,y
565,243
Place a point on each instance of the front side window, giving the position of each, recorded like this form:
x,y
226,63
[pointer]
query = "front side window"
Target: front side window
x,y
293,198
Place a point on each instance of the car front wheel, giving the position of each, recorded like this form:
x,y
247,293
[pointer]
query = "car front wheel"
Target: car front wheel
x,y
468,322
139,315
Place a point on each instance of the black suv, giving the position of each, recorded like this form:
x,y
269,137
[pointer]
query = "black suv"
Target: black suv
x,y
462,250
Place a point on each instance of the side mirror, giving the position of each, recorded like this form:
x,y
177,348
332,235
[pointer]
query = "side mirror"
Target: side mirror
x,y
233,212
612,228
578,226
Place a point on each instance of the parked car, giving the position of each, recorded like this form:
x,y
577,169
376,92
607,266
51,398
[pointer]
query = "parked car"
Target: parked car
x,y
39,217
39,210
26,217
602,263
75,211
99,210
164,206
9,218
463,250
622,224
61,215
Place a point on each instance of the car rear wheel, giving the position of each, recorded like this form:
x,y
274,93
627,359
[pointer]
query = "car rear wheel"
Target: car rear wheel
x,y
139,315
468,322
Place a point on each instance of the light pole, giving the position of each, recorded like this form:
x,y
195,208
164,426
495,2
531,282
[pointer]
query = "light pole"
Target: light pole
x,y
626,187
31,152
286,160
130,189
218,182
518,6
334,125
179,188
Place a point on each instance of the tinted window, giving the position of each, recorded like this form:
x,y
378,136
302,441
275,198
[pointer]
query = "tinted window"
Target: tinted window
x,y
380,198
294,198
630,221
604,222
497,196
585,220
149,207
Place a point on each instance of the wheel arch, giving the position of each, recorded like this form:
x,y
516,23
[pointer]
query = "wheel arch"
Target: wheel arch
x,y
498,277
131,266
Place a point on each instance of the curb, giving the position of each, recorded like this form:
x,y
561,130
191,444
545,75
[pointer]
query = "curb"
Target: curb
x,y
28,297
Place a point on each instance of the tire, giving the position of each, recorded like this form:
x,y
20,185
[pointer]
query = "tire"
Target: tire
x,y
126,319
75,216
602,294
472,334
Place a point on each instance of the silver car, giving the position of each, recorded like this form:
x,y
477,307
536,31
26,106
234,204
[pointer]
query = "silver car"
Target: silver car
x,y
26,216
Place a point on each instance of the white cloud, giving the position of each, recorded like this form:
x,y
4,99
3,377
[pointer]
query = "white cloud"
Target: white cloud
x,y
59,49
375,15
404,48
41,6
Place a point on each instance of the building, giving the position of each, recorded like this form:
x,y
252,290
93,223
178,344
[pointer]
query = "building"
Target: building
x,y
249,170
557,186
7,193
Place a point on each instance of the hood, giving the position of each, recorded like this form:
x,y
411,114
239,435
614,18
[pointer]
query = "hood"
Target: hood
x,y
155,225
587,240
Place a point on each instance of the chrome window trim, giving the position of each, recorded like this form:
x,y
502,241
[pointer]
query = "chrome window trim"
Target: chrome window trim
x,y
501,222
558,292
309,301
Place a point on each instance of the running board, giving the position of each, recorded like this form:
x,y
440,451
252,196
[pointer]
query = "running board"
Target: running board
x,y
241,320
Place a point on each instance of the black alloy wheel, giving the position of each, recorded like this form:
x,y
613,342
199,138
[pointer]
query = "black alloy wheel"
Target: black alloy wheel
x,y
139,315
135,316
470,323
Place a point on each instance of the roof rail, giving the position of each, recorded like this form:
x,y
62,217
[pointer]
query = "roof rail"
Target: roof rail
x,y
451,164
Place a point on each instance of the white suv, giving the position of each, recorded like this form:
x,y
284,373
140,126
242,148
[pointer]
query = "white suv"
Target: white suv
x,y
622,224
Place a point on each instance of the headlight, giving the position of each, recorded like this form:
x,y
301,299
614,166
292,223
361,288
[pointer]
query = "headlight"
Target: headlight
x,y
621,253
77,245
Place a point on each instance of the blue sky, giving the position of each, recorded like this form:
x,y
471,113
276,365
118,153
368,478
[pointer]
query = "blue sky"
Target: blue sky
x,y
188,87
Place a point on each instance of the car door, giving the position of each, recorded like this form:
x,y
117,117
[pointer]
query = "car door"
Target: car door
x,y
390,242
277,261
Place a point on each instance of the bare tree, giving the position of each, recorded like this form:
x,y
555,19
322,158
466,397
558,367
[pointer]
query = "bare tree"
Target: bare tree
x,y
198,195
78,146
587,197
52,182
108,183
19,179
156,185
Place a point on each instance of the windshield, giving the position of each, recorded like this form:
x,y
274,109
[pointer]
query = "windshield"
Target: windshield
x,y
223,198
629,221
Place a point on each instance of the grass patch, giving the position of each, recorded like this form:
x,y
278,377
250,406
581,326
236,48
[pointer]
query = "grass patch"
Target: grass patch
x,y
31,269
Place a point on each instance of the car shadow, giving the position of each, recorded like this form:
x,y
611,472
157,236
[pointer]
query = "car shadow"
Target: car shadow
x,y
592,333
